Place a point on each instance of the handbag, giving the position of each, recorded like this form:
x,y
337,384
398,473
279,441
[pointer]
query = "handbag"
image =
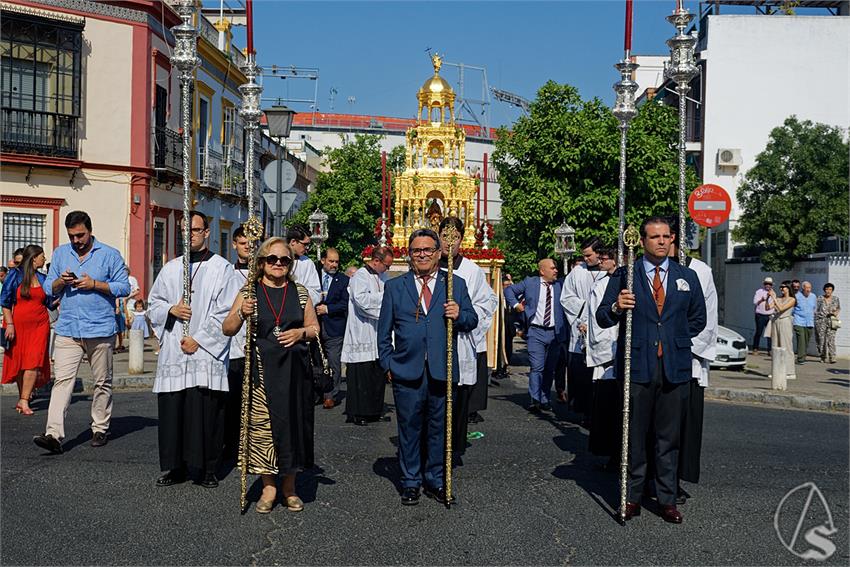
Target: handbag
x,y
834,323
323,375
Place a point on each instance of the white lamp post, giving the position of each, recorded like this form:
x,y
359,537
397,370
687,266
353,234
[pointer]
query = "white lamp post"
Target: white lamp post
x,y
318,229
565,242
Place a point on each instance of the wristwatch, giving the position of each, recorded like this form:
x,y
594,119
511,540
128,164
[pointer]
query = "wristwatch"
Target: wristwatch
x,y
616,310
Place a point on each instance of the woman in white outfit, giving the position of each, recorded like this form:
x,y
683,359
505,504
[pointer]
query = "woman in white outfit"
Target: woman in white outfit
x,y
783,332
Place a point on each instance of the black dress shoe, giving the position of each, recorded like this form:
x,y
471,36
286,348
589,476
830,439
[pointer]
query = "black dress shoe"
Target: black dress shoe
x,y
172,477
534,407
410,496
48,442
632,510
384,419
681,496
475,417
671,514
98,439
438,494
360,421
209,481
546,407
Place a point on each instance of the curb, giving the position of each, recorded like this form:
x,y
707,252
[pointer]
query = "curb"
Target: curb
x,y
773,399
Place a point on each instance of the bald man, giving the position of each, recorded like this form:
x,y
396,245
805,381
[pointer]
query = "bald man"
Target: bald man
x,y
536,300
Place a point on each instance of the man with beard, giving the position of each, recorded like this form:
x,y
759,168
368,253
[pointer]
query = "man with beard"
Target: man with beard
x,y
87,276
668,312
578,286
365,380
191,375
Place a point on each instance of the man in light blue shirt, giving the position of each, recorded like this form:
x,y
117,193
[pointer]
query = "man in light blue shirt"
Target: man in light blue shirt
x,y
804,319
87,276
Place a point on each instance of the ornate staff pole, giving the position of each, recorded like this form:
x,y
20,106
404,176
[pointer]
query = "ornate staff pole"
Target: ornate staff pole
x,y
624,110
450,236
185,59
681,69
251,114
631,238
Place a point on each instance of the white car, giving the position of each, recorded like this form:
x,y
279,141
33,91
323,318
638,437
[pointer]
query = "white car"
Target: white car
x,y
732,349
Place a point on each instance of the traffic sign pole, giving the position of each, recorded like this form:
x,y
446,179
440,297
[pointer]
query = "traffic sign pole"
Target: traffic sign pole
x,y
278,213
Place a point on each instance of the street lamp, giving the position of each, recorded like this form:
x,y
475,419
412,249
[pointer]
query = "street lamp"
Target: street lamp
x,y
565,242
279,119
318,229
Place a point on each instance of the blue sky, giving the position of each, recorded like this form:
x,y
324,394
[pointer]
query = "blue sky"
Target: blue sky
x,y
375,51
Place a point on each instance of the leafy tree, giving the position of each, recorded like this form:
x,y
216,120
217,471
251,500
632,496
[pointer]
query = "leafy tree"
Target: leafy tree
x,y
562,163
350,194
796,194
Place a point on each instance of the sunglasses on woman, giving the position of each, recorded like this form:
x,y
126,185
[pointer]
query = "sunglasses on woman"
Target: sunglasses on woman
x,y
271,260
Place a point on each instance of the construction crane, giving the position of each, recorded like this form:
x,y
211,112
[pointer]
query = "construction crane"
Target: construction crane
x,y
511,98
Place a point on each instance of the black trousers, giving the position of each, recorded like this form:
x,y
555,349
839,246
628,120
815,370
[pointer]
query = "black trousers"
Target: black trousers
x,y
561,368
233,409
479,391
580,384
656,406
191,429
761,323
691,441
460,418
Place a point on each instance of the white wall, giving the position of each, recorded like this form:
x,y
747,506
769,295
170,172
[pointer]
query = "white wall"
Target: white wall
x,y
759,71
743,279
650,74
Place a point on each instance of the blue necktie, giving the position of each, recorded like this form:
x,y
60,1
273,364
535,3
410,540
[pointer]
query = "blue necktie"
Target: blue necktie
x,y
326,282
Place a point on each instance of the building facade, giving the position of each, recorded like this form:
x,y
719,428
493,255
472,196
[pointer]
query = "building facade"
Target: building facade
x,y
91,121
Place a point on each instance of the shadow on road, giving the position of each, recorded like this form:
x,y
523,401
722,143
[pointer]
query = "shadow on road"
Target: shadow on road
x,y
308,483
388,468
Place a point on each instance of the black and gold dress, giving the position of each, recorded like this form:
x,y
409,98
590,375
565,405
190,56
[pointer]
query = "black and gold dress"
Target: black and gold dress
x,y
280,402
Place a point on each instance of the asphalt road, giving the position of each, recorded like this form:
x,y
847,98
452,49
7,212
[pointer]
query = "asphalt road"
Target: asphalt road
x,y
528,492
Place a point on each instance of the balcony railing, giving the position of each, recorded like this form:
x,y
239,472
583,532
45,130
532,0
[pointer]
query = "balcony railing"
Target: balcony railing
x,y
211,169
41,133
168,150
232,173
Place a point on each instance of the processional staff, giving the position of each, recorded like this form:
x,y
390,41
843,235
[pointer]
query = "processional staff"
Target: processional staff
x,y
450,236
185,59
631,238
251,114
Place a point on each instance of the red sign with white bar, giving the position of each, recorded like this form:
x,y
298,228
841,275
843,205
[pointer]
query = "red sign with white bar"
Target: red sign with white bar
x,y
709,205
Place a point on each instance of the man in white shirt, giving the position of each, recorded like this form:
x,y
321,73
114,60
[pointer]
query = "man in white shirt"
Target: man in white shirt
x,y
303,269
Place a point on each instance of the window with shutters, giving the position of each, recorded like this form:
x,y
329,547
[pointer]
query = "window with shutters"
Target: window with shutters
x,y
40,85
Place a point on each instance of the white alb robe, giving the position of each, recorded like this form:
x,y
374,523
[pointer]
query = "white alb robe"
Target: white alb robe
x,y
365,294
601,343
485,302
574,295
237,341
304,272
704,345
214,288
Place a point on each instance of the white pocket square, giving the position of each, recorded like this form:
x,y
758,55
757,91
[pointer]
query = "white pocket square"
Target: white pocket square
x,y
682,285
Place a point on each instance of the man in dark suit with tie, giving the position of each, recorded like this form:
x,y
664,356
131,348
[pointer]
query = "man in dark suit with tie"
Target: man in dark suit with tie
x,y
412,341
333,313
536,297
668,309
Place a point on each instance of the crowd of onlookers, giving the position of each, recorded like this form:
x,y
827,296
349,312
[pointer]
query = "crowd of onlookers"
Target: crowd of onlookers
x,y
795,314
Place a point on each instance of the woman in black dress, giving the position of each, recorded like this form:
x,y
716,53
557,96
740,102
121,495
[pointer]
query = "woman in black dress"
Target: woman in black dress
x,y
280,399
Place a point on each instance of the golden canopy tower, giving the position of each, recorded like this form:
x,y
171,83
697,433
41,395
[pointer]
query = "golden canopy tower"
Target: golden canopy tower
x,y
434,183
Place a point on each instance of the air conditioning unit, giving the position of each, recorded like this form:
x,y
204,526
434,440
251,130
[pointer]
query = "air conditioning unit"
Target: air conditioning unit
x,y
729,157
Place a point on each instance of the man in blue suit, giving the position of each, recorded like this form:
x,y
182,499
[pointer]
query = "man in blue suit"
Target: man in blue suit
x,y
332,311
668,310
412,349
536,297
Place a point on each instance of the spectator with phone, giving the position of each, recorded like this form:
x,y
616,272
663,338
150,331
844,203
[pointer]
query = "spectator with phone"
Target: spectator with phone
x,y
87,276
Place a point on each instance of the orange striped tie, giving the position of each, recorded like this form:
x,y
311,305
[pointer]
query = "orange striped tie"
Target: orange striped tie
x,y
658,293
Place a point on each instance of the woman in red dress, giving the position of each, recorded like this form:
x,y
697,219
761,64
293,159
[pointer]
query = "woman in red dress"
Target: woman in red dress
x,y
25,302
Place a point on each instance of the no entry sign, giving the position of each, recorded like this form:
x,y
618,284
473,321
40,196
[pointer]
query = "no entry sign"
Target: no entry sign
x,y
709,205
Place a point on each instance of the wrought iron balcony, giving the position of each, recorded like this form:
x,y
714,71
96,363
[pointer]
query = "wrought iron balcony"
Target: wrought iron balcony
x,y
211,169
41,133
233,172
168,150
